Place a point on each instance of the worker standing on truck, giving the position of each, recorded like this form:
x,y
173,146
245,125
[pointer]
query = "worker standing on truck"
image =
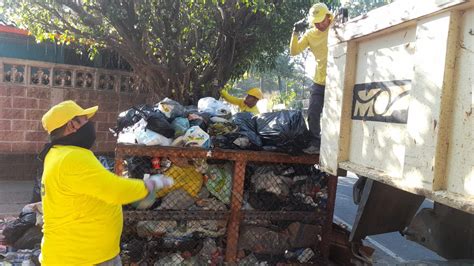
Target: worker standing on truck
x,y
82,201
316,38
247,104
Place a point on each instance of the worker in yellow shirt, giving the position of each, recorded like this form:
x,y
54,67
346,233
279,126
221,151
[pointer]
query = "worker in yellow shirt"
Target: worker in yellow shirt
x,y
248,104
82,201
316,39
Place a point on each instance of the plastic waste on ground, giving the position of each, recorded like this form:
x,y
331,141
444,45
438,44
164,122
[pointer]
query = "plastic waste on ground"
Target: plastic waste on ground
x,y
15,229
30,239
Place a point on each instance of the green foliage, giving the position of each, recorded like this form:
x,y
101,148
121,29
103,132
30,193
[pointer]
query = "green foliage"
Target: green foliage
x,y
287,83
180,49
286,97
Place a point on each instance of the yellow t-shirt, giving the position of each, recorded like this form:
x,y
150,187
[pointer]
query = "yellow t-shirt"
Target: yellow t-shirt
x,y
239,102
317,41
82,204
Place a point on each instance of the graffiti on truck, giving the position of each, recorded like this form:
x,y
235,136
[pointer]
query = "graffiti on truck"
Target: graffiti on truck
x,y
384,101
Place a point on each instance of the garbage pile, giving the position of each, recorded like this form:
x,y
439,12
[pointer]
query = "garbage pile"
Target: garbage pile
x,y
206,185
211,125
20,237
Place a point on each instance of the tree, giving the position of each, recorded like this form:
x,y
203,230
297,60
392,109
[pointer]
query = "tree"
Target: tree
x,y
180,49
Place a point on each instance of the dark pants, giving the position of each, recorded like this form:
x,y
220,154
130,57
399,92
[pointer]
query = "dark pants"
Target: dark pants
x,y
316,103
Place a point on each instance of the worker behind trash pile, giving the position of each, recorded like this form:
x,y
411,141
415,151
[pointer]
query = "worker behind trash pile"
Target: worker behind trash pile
x,y
316,39
248,104
82,201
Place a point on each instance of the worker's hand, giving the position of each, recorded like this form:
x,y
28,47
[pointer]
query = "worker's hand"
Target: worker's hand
x,y
146,202
157,182
154,183
300,25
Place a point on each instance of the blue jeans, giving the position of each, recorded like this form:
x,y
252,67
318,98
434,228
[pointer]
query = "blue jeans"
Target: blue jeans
x,y
316,103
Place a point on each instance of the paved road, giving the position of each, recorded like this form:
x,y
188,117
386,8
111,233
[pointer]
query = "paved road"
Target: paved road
x,y
392,248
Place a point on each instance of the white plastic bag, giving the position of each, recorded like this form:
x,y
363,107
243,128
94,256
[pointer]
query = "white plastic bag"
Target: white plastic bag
x,y
150,138
213,107
196,137
171,109
128,135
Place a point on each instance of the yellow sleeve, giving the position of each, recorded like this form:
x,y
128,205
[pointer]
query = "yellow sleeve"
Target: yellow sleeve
x,y
83,174
298,46
231,99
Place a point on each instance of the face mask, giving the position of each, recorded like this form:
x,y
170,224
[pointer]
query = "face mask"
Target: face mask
x,y
84,137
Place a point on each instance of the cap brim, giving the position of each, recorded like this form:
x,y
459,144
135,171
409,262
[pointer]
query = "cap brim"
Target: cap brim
x,y
314,20
90,112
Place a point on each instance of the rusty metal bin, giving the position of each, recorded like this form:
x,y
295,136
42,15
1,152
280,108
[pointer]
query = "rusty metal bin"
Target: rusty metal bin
x,y
237,218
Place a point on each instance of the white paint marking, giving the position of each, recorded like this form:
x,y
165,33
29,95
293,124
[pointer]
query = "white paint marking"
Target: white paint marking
x,y
371,240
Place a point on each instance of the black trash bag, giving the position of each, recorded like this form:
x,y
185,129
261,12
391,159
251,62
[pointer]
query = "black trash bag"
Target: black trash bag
x,y
285,130
157,122
15,229
221,142
190,109
248,127
199,119
131,116
265,201
138,166
31,239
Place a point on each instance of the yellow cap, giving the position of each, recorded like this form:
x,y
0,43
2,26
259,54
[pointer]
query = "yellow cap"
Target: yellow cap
x,y
317,13
255,92
61,113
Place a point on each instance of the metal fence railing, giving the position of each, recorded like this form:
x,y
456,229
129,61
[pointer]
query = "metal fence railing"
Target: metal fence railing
x,y
227,206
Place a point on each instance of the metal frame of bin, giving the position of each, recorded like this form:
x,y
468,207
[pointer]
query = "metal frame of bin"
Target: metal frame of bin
x,y
235,215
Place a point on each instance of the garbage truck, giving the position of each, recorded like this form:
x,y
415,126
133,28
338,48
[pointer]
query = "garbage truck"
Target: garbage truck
x,y
398,113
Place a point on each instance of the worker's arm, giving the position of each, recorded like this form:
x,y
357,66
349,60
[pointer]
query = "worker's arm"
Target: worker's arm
x,y
85,175
231,99
298,46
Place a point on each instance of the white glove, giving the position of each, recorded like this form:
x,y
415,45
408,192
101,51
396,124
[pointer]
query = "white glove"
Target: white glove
x,y
157,182
153,183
